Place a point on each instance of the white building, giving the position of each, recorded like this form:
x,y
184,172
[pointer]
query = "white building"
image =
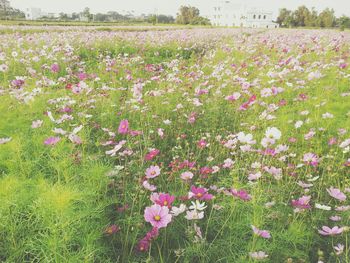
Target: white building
x,y
33,13
228,13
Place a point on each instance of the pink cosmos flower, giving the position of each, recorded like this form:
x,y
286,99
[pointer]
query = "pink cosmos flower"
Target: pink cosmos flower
x,y
149,186
241,194
336,193
153,153
327,231
262,233
152,172
202,144
311,159
52,140
158,216
165,200
123,127
55,68
302,202
199,193
339,249
186,176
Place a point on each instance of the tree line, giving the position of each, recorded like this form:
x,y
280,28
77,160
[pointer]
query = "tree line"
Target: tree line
x,y
305,17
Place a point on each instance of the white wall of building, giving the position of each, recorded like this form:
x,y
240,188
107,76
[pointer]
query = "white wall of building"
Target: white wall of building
x,y
33,13
228,13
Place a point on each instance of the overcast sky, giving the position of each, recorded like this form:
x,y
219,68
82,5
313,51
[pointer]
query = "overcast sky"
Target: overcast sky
x,y
170,7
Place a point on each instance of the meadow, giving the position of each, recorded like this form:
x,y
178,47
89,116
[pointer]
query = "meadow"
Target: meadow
x,y
182,145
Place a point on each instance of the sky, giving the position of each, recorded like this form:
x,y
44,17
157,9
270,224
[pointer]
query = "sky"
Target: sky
x,y
170,7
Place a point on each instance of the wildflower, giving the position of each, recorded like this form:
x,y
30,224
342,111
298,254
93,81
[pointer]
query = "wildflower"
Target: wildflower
x,y
311,159
199,193
52,140
202,144
5,140
165,200
149,186
186,176
123,127
152,172
273,133
158,216
326,231
111,229
143,245
339,249
260,255
336,193
55,68
241,194
153,153
194,214
175,211
302,202
197,206
262,233
114,151
323,207
335,218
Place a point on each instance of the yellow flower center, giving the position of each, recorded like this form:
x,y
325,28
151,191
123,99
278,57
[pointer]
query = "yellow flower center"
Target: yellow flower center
x,y
165,203
157,218
199,195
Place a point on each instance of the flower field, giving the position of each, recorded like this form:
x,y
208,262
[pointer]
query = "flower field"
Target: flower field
x,y
179,145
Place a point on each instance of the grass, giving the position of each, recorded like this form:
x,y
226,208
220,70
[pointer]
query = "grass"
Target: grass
x,y
57,201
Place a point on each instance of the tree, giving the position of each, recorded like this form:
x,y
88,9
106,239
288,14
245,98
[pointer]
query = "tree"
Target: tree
x,y
301,15
343,22
327,18
190,15
284,17
312,20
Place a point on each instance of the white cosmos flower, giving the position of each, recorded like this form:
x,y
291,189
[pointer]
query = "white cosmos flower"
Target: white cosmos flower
x,y
273,133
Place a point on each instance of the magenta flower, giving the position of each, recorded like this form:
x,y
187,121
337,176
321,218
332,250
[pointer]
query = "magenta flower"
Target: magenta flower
x,y
336,193
123,127
52,140
152,172
200,193
262,233
327,231
241,194
302,202
143,245
165,200
55,68
153,153
158,216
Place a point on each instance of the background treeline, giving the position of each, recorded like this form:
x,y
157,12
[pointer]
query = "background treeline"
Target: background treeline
x,y
304,17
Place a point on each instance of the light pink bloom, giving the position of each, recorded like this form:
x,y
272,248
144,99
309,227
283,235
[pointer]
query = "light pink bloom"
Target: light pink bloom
x,y
52,140
339,249
152,172
149,186
336,193
327,231
158,216
37,124
311,159
260,255
262,233
186,176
